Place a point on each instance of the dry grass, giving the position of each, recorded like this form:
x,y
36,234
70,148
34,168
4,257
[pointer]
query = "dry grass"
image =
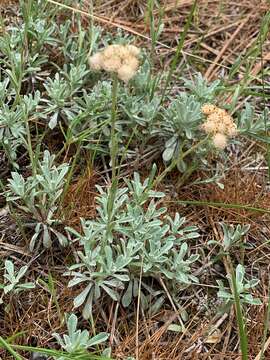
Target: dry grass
x,y
80,199
221,32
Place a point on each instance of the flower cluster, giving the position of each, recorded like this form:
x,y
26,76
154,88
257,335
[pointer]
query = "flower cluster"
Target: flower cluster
x,y
121,59
219,124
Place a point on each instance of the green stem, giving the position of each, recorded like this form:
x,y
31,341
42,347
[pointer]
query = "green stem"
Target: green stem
x,y
114,142
29,144
239,314
6,346
80,355
176,161
187,174
113,154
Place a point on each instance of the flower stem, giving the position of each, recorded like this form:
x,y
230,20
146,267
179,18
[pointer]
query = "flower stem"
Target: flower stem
x,y
176,161
113,154
114,142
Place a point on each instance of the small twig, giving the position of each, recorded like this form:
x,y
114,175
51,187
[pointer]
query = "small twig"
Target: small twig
x,y
209,73
173,305
258,357
112,336
229,330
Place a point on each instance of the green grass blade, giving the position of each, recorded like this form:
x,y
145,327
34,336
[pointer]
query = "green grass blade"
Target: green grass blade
x,y
220,204
58,353
178,50
5,345
240,319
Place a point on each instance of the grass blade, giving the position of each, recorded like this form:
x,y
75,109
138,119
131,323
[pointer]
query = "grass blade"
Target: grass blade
x,y
220,204
5,345
240,319
178,50
52,352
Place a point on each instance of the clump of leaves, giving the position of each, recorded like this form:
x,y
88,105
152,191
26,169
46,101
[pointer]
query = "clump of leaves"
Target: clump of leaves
x,y
254,124
60,91
232,236
180,125
137,234
204,92
37,198
77,342
13,280
242,288
13,120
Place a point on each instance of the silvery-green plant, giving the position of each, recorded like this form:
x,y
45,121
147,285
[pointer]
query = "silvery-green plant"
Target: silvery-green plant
x,y
77,342
204,92
40,31
181,270
88,114
91,125
137,234
90,122
12,121
181,132
252,123
76,45
12,131
37,29
232,236
183,117
13,280
178,131
36,199
181,121
243,288
139,117
146,83
60,91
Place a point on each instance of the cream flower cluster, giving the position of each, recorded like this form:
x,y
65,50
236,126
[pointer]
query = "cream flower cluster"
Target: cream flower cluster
x,y
219,124
121,59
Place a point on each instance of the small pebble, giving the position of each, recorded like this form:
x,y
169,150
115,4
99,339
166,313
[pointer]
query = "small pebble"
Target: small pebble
x,y
38,356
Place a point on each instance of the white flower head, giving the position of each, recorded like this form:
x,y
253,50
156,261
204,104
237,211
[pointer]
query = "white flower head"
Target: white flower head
x,y
220,141
120,59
